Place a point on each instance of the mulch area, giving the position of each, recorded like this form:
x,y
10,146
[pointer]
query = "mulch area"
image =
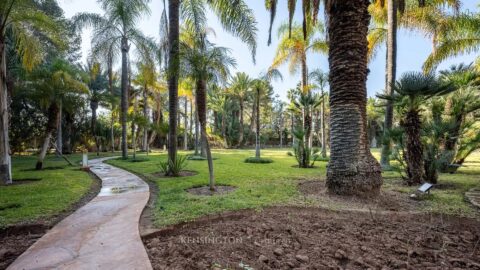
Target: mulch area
x,y
18,238
316,238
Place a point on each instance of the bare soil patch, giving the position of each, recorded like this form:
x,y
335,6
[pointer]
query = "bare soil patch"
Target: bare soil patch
x,y
205,190
18,238
181,174
315,238
388,200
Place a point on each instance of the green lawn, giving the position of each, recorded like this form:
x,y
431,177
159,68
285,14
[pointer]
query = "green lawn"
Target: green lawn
x,y
260,185
43,193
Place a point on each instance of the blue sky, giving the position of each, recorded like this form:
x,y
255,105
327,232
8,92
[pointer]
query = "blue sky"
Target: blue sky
x,y
413,48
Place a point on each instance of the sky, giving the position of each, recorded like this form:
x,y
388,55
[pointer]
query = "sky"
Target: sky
x,y
413,48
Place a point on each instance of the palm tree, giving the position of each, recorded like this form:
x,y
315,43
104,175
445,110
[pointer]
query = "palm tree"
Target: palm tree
x,y
53,84
321,80
235,17
205,62
262,89
459,36
117,29
239,89
411,91
28,25
186,90
352,168
424,19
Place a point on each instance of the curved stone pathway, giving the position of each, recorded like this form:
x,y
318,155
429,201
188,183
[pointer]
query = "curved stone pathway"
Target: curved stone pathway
x,y
473,195
103,234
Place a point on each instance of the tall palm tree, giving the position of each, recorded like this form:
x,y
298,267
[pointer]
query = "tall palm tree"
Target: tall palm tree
x,y
28,25
352,168
294,47
239,89
205,62
321,80
117,29
262,89
235,17
411,91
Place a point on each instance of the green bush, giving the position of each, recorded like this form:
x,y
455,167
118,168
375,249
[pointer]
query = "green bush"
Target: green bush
x,y
174,167
258,160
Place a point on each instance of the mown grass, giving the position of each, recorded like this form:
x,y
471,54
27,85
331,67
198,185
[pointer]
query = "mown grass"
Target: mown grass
x,y
260,185
42,194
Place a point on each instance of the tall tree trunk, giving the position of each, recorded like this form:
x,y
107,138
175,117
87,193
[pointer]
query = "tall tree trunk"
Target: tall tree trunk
x,y
52,124
191,118
252,120
67,146
201,98
391,66
185,133
322,124
241,130
414,148
60,131
257,120
197,132
307,117
5,159
124,99
173,69
145,115
352,168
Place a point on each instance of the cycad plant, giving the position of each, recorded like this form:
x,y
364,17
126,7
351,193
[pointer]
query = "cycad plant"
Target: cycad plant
x,y
410,93
304,153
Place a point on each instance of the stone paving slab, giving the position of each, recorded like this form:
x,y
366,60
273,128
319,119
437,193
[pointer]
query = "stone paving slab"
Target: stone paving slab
x,y
103,234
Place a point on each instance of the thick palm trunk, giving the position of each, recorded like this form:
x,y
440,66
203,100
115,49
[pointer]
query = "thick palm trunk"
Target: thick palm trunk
x,y
201,97
391,66
173,67
352,169
185,133
252,120
5,160
124,98
53,119
257,121
197,132
67,145
414,148
241,130
145,115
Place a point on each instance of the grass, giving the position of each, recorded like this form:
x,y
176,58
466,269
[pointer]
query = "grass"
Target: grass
x,y
261,185
42,194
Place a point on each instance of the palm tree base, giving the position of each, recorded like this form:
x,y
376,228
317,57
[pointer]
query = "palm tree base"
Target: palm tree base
x,y
364,180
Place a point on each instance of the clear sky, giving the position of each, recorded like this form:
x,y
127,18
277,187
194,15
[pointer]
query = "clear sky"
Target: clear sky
x,y
413,48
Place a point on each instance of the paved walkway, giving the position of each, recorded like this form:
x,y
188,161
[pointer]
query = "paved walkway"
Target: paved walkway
x,y
103,234
473,196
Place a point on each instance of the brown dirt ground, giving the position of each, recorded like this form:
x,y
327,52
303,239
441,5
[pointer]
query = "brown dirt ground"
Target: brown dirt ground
x,y
181,174
315,238
205,190
18,238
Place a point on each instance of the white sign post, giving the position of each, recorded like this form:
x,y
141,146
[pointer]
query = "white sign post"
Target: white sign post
x,y
85,160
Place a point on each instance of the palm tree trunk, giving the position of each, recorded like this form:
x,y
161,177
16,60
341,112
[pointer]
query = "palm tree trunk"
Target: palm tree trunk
x,y
241,131
5,159
414,148
201,97
391,66
52,124
124,98
257,120
173,67
197,131
145,115
352,168
185,133
59,131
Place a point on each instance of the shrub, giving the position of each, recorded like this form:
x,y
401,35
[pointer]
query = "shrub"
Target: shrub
x,y
258,160
174,167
